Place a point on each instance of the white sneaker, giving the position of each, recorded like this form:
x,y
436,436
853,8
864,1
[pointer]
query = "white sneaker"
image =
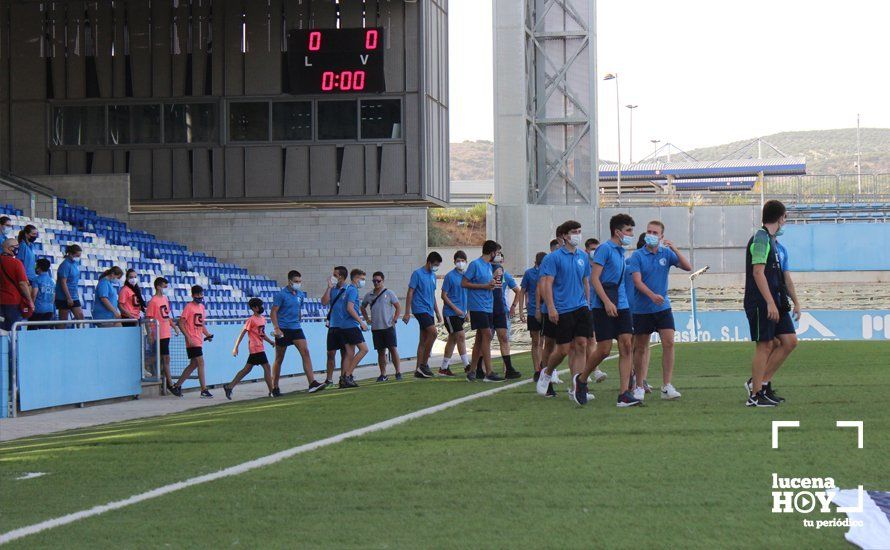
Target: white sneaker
x,y
555,378
590,396
599,376
543,381
647,387
639,393
669,392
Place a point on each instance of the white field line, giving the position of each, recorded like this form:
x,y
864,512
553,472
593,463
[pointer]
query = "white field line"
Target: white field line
x,y
251,464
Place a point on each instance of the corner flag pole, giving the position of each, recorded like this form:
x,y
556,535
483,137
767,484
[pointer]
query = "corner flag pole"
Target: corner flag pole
x,y
692,279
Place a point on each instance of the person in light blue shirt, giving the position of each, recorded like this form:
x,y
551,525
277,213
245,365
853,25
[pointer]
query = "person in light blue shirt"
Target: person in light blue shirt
x,y
45,293
649,268
67,279
479,282
455,313
27,237
287,317
590,246
105,303
528,295
612,318
421,301
346,322
565,274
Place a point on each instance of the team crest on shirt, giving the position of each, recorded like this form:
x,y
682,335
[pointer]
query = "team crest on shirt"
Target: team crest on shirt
x,y
580,262
663,262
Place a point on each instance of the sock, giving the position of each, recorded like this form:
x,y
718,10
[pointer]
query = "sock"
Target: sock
x,y
445,361
479,363
508,362
466,359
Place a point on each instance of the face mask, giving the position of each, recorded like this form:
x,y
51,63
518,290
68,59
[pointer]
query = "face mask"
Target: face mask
x,y
434,268
360,284
780,232
32,238
15,251
627,240
8,230
163,291
133,281
333,280
498,258
575,240
592,253
461,266
260,310
296,286
198,300
76,260
652,240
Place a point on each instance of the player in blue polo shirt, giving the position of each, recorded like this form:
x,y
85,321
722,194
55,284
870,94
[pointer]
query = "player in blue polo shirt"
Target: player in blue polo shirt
x,y
599,376
611,311
479,282
454,312
648,268
287,316
528,296
565,274
548,344
346,322
421,301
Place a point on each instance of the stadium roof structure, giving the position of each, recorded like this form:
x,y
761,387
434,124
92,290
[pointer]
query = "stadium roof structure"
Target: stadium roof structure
x,y
676,171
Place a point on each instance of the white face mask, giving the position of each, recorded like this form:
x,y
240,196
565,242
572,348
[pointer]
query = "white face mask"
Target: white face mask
x,y
296,286
333,280
360,283
575,240
499,258
163,291
461,266
434,268
133,281
592,253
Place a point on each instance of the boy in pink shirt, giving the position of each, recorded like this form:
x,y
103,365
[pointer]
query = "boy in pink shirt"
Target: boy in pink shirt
x,y
191,323
159,310
255,329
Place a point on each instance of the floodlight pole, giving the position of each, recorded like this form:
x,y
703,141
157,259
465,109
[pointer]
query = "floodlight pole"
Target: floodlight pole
x,y
858,158
631,152
614,76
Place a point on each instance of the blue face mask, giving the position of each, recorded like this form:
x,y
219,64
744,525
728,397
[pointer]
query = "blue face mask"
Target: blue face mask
x,y
627,240
780,232
652,240
198,300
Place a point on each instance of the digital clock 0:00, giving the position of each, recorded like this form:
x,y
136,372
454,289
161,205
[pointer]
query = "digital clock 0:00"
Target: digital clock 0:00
x,y
344,81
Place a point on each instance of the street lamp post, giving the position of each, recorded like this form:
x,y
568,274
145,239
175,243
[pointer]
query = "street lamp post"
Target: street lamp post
x,y
614,76
631,152
655,143
858,158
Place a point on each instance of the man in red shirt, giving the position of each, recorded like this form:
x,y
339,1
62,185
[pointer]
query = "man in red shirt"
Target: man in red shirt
x,y
14,288
191,323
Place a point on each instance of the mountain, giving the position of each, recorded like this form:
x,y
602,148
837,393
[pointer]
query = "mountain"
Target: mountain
x,y
826,151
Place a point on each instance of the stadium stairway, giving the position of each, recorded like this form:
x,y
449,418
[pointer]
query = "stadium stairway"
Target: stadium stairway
x,y
107,242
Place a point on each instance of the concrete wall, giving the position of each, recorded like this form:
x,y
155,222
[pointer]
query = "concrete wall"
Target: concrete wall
x,y
107,194
43,206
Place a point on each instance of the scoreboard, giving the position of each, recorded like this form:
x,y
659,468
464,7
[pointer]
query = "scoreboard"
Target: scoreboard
x,y
333,61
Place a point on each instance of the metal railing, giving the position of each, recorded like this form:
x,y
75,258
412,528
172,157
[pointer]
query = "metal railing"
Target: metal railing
x,y
13,343
30,188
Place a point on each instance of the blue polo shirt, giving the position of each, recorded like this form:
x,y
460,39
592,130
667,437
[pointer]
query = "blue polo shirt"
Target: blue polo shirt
x,y
629,287
611,257
530,285
340,318
653,268
479,272
105,289
499,295
423,282
568,270
45,293
29,260
782,252
290,307
456,293
71,272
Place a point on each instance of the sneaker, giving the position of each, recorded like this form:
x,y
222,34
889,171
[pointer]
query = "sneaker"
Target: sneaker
x,y
759,400
590,396
341,383
536,376
205,394
350,382
228,391
422,371
176,390
639,393
627,399
749,386
446,372
544,381
599,376
647,387
512,374
768,396
315,386
480,374
328,383
669,392
771,395
276,392
169,388
579,390
493,378
555,377
471,375
398,376
382,378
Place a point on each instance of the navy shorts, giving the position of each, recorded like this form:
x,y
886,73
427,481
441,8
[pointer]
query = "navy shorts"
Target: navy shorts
x,y
335,343
384,338
453,324
572,324
352,336
289,335
165,346
764,330
481,320
63,304
608,328
191,353
647,323
548,329
532,324
499,320
425,320
255,359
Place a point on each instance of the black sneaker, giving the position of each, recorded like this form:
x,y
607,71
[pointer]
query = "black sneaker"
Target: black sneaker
x,y
228,391
315,386
169,388
579,390
398,376
771,395
512,374
493,378
176,390
536,376
276,392
423,371
550,391
426,370
342,383
205,394
480,373
627,399
350,382
328,383
759,400
471,374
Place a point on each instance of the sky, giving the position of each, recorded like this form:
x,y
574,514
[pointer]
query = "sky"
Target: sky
x,y
704,72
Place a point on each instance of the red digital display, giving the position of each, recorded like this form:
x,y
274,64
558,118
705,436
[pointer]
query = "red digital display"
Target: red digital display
x,y
325,61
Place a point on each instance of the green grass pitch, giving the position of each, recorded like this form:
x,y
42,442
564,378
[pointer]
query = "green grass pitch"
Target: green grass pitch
x,y
511,470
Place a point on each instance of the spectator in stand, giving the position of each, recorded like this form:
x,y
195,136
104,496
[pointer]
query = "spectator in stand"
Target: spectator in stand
x,y
44,289
107,297
28,255
15,292
6,226
67,279
130,300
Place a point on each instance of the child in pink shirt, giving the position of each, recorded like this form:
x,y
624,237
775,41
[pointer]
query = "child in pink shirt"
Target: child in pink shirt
x,y
255,329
